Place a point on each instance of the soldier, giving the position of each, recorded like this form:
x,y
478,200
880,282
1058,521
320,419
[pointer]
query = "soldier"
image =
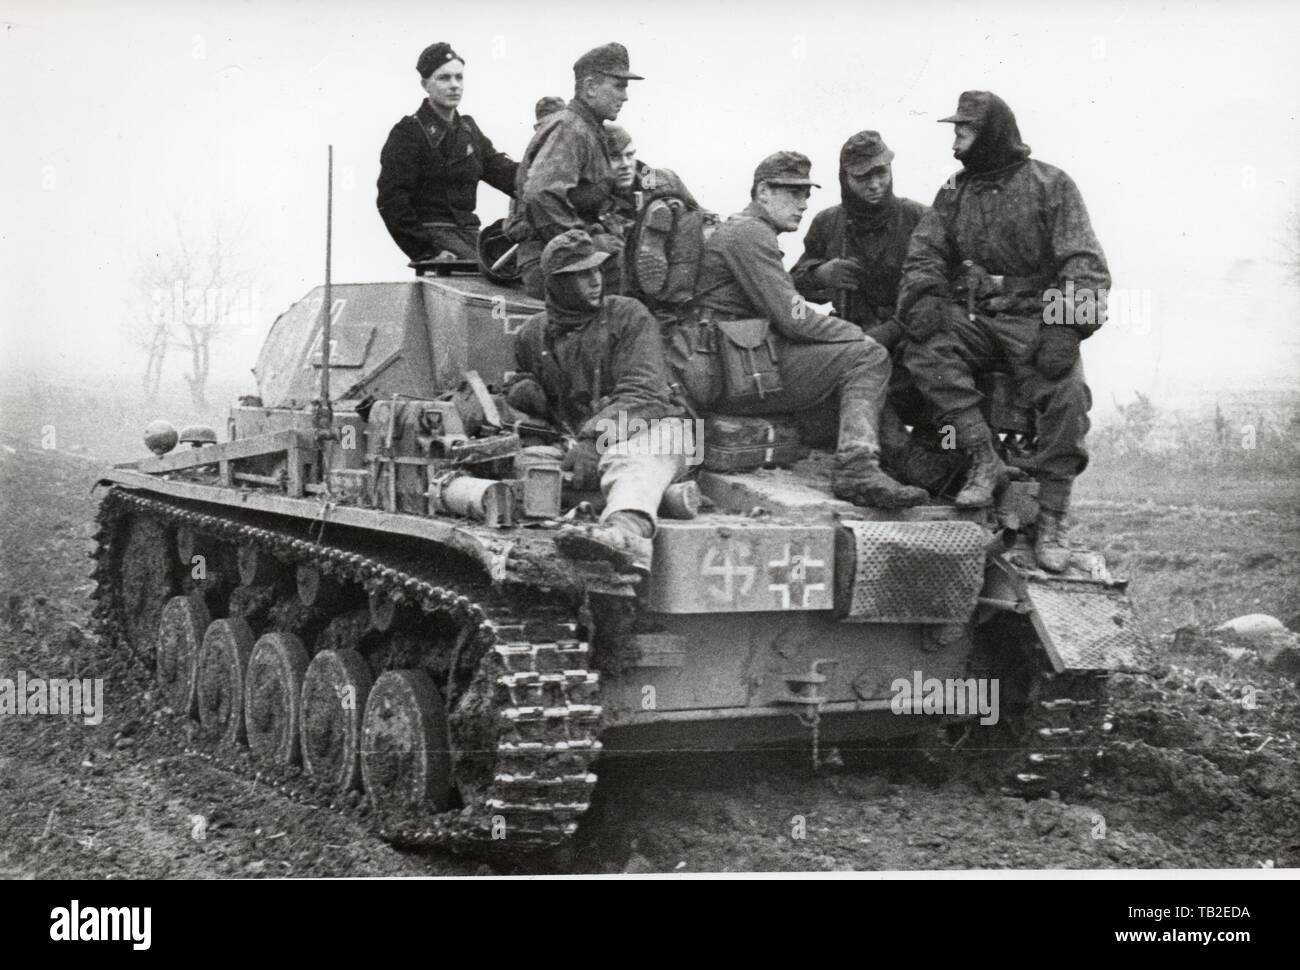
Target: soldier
x,y
595,369
431,165
1006,235
631,175
546,107
820,359
565,181
853,258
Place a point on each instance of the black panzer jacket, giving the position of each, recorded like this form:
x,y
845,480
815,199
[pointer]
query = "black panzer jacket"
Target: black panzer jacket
x,y
429,173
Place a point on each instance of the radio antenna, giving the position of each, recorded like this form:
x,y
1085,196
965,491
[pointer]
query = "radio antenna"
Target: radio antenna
x,y
324,409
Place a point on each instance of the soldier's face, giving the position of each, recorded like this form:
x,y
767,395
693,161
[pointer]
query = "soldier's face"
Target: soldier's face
x,y
446,85
605,95
784,204
963,138
872,186
624,166
587,286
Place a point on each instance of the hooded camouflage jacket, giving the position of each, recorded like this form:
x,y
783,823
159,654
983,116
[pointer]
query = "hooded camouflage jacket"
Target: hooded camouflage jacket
x,y
429,172
1013,216
612,363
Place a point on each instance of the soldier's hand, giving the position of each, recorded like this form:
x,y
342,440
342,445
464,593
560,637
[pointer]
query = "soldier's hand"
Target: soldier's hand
x,y
526,394
887,333
1056,351
584,461
927,317
839,274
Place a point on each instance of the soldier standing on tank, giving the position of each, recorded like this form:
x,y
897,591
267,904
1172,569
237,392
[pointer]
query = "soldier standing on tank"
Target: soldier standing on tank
x,y
1006,238
431,164
565,180
594,367
546,107
853,259
822,360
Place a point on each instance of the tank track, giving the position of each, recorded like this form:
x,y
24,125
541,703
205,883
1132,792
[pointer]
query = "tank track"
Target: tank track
x,y
542,697
1063,732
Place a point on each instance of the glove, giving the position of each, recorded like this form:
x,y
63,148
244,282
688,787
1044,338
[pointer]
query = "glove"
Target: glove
x,y
1056,351
927,317
526,395
838,274
583,460
887,333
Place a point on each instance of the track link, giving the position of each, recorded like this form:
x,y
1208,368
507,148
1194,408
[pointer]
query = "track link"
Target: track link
x,y
536,698
1064,732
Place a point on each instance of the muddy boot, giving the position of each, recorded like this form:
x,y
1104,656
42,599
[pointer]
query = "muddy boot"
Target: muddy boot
x,y
623,540
985,476
652,246
1050,547
861,481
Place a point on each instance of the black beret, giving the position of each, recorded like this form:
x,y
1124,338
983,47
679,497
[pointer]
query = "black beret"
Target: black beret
x,y
434,56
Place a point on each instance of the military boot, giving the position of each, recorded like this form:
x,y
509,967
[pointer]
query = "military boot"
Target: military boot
x,y
861,481
1050,547
623,540
985,476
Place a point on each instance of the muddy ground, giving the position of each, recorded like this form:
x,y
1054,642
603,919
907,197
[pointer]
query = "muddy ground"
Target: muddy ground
x,y
1192,778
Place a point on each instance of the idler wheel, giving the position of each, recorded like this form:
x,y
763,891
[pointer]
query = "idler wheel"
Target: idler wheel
x,y
181,627
273,697
223,662
334,692
405,761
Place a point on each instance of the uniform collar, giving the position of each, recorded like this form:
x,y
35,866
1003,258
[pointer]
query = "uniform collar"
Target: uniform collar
x,y
428,117
586,114
756,211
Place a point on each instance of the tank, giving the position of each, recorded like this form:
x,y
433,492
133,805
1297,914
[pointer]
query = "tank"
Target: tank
x,y
362,598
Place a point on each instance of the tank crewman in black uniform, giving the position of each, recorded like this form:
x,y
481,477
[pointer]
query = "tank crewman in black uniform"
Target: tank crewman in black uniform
x,y
431,165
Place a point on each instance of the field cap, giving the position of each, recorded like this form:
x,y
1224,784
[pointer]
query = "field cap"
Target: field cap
x,y
571,251
608,59
785,168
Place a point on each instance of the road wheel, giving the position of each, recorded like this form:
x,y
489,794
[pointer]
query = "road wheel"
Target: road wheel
x,y
404,753
181,628
273,697
223,663
334,693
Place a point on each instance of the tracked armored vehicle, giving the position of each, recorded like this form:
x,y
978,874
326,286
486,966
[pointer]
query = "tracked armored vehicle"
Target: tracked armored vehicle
x,y
365,594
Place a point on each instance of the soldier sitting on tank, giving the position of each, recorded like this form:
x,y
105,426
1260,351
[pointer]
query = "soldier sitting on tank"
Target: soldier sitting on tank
x,y
817,360
431,165
565,181
594,367
853,259
632,176
1007,242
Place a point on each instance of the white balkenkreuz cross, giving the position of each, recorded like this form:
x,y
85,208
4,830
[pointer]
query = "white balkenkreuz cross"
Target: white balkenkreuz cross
x,y
790,575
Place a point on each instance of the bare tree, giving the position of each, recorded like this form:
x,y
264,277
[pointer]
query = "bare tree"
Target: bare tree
x,y
192,289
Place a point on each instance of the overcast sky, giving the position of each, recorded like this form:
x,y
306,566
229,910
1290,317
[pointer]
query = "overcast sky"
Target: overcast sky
x,y
1178,122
